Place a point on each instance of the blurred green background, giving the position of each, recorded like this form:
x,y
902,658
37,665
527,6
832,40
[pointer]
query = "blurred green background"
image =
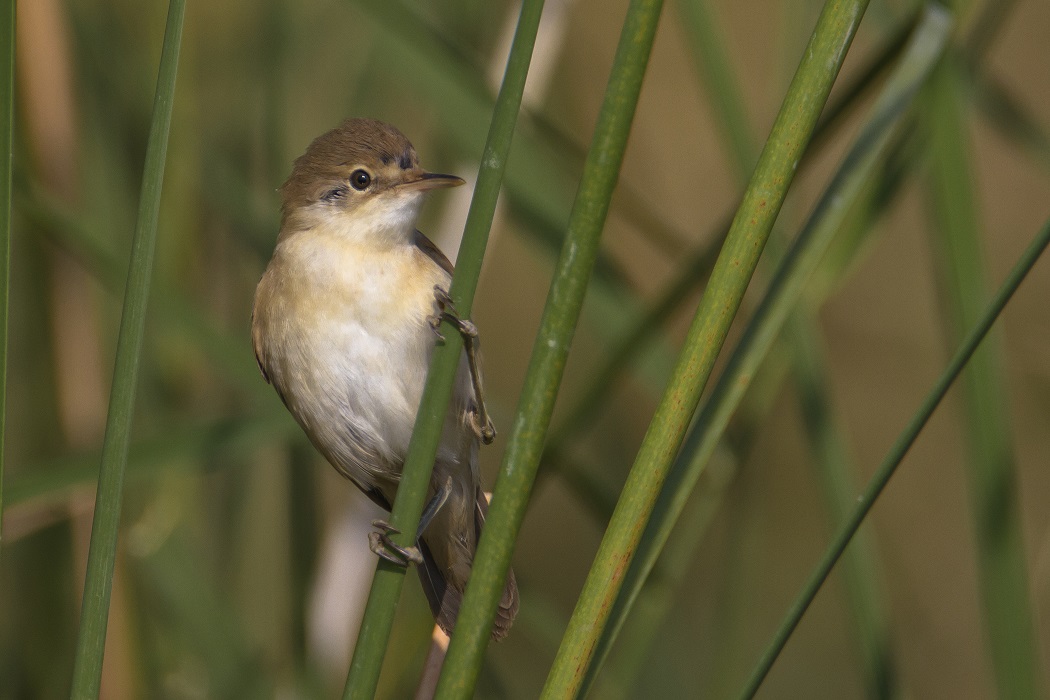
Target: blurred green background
x,y
243,564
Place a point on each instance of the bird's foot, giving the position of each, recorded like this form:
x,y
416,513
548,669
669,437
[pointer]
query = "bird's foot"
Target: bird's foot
x,y
447,312
483,428
385,548
478,415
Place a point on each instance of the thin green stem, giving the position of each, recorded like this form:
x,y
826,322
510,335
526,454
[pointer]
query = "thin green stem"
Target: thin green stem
x,y
784,292
653,611
632,345
1002,565
641,332
7,96
895,456
367,661
87,669
550,351
861,571
654,599
761,203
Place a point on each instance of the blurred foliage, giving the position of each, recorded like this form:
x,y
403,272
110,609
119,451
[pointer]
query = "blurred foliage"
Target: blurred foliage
x,y
233,530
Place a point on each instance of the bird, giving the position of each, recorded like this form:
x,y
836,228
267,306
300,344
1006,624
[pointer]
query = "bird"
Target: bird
x,y
345,319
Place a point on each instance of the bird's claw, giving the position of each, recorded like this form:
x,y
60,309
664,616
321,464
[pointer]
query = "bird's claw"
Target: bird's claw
x,y
477,416
447,312
435,325
385,548
442,297
486,433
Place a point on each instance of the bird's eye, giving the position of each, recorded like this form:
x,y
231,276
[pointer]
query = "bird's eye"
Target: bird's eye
x,y
360,179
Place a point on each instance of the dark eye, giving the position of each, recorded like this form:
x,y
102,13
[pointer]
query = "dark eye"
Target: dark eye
x,y
360,179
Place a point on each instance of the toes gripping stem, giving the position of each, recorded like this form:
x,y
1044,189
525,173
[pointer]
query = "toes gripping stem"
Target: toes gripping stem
x,y
383,546
479,415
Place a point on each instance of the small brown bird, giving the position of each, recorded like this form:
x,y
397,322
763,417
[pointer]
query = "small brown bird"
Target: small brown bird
x,y
344,324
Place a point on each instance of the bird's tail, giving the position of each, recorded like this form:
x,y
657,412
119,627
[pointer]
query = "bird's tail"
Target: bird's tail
x,y
445,597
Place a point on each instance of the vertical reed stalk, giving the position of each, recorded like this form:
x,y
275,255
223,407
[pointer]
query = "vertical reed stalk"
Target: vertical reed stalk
x,y
363,677
87,669
551,349
1002,565
7,96
790,135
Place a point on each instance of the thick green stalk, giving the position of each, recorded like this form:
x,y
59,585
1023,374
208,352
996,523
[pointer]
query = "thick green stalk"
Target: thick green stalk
x,y
662,596
1002,567
367,661
631,346
642,330
551,349
761,203
827,443
7,96
716,78
87,669
784,292
896,454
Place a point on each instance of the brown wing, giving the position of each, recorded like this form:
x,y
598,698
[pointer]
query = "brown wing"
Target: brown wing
x,y
255,347
445,598
432,251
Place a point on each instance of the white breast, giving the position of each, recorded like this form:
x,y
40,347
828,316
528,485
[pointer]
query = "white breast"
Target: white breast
x,y
345,339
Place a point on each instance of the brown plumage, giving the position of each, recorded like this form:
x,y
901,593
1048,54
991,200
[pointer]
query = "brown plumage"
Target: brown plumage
x,y
341,329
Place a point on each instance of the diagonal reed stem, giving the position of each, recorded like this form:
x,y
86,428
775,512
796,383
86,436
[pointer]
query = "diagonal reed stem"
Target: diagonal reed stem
x,y
367,661
640,331
551,349
87,669
790,135
784,291
896,454
992,466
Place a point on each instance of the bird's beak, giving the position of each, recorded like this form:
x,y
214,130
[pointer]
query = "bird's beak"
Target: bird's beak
x,y
421,180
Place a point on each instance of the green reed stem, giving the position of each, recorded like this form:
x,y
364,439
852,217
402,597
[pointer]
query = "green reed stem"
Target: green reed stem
x,y
367,661
641,330
791,132
551,349
87,669
896,455
784,292
7,97
992,466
